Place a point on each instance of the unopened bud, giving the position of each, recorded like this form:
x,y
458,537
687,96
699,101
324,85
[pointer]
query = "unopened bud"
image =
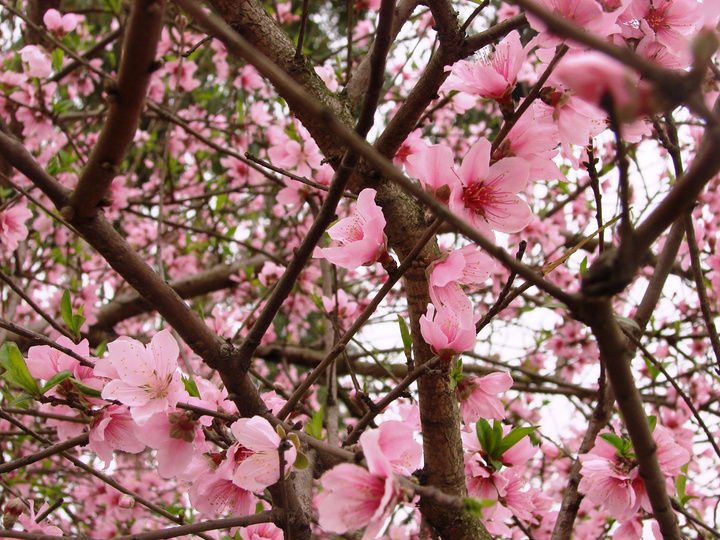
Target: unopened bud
x,y
126,501
12,511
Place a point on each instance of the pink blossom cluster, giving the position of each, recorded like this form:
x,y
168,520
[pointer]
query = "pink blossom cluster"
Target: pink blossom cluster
x,y
611,478
135,396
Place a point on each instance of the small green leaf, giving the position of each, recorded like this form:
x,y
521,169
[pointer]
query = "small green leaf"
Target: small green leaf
x,y
406,337
55,380
301,462
653,370
314,426
681,482
191,386
85,390
627,321
514,437
66,308
554,305
101,349
456,375
614,441
583,266
17,371
20,400
474,506
652,420
57,58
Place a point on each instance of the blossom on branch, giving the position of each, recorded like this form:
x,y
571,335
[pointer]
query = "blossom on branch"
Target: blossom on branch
x,y
360,239
12,226
258,454
478,396
486,195
604,82
354,497
145,377
494,75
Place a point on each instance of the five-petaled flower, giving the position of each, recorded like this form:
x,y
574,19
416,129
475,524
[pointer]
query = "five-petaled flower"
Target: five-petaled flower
x,y
486,195
145,377
359,239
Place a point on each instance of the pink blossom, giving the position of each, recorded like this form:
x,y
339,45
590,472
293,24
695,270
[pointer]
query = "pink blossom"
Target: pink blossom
x,y
213,491
114,429
467,265
181,75
434,168
340,304
12,225
31,524
494,75
395,440
359,239
61,24
478,396
354,497
145,376
304,156
586,14
259,444
670,22
261,531
595,78
608,483
534,138
178,438
486,195
38,61
447,333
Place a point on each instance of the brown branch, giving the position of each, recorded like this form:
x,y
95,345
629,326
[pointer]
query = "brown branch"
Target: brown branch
x,y
378,57
211,525
357,324
358,84
80,440
97,474
126,102
129,305
617,357
701,290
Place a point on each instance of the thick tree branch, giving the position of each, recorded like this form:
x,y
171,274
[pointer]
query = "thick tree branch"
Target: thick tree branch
x,y
126,102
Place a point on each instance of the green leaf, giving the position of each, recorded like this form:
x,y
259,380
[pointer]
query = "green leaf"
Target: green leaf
x,y
101,349
406,337
20,400
17,371
583,266
627,321
57,59
456,375
301,461
66,308
681,482
514,437
652,420
653,370
614,441
554,305
314,426
191,386
55,380
474,506
74,321
85,390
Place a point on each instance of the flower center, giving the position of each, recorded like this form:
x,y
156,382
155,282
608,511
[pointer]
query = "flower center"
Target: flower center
x,y
656,19
485,200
